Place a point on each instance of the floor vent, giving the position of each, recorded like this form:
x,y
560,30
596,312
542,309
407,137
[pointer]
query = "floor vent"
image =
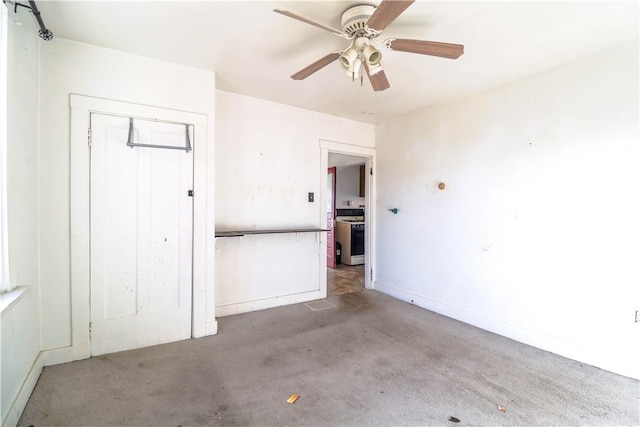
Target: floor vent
x,y
322,304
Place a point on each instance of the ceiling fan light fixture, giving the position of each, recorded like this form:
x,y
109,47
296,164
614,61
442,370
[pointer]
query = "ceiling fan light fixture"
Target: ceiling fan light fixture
x,y
357,65
354,71
372,55
362,24
348,57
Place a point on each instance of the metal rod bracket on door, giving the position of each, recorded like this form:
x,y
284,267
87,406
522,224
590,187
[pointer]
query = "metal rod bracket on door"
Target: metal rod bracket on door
x,y
187,144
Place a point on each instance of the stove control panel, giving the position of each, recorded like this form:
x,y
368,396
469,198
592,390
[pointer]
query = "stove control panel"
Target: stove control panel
x,y
349,212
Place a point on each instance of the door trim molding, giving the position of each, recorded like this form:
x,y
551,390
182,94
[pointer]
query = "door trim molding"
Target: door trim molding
x,y
370,206
203,302
331,227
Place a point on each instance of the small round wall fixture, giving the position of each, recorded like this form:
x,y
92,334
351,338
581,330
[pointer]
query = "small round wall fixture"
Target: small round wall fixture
x,y
441,186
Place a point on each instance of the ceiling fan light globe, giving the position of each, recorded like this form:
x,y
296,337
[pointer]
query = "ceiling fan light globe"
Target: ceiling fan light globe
x,y
374,58
348,57
372,55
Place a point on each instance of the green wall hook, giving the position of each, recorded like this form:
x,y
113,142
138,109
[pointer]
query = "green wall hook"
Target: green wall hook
x,y
394,210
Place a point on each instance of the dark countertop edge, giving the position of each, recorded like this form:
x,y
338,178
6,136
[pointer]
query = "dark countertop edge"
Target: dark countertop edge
x,y
239,233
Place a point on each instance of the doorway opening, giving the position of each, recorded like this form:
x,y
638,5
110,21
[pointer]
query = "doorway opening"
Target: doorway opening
x,y
347,183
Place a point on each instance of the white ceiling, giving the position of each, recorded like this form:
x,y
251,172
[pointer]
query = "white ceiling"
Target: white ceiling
x,y
254,50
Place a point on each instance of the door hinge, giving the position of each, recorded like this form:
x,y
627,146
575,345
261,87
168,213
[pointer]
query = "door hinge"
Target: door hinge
x,y
90,328
371,275
371,171
190,193
89,137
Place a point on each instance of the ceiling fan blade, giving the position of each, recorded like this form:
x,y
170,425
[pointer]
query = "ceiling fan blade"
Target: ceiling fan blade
x,y
320,63
386,13
444,50
308,21
379,80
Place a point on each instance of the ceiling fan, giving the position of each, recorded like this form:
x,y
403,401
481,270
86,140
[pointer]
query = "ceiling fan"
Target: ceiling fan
x,y
362,25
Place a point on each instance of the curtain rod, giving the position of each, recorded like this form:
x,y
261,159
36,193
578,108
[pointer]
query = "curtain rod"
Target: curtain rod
x,y
44,33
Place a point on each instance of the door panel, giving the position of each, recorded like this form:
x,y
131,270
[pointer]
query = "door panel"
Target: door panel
x,y
141,235
331,208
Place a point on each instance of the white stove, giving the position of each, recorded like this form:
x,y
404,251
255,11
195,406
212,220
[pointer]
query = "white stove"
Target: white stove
x,y
350,235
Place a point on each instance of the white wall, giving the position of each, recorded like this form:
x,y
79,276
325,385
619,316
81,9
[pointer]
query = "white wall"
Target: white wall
x,y
22,158
536,234
267,160
21,364
69,67
20,337
348,187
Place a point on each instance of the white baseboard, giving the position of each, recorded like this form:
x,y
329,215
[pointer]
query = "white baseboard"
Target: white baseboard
x,y
244,307
536,339
57,356
15,410
211,328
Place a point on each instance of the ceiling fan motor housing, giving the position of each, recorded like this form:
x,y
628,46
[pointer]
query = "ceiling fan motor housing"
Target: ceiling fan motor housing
x,y
354,20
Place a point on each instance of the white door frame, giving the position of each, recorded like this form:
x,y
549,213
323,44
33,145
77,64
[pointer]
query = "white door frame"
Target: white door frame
x,y
370,196
203,306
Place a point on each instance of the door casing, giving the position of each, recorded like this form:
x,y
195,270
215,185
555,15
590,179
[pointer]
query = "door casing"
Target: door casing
x,y
331,234
203,311
370,206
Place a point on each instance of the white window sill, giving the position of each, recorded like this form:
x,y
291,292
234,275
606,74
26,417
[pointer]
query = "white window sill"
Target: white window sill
x,y
7,299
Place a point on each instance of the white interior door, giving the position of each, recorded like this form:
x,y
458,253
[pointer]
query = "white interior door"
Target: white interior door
x,y
141,235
